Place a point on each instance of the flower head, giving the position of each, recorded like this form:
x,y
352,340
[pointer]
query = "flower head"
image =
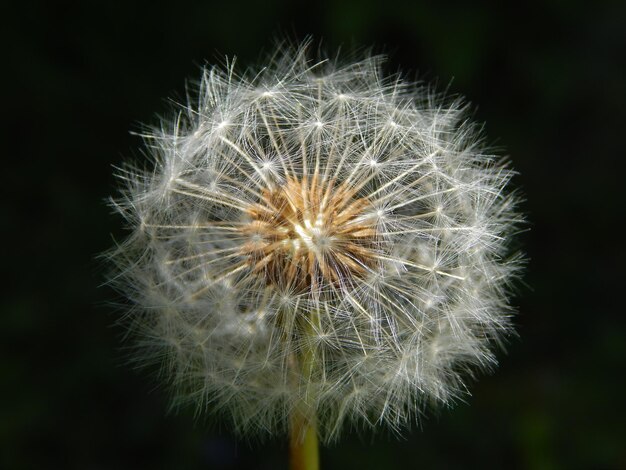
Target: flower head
x,y
317,235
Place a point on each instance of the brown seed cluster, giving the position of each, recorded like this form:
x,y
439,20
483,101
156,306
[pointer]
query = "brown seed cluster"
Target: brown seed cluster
x,y
309,235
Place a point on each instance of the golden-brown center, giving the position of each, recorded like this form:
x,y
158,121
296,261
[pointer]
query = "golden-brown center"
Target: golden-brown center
x,y
308,235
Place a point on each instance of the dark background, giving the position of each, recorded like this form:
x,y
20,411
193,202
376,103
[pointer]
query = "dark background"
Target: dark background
x,y
549,81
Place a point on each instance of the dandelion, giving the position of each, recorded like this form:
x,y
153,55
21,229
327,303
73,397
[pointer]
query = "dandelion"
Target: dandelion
x,y
317,245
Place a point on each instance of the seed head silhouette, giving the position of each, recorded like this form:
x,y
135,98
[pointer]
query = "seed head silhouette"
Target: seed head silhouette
x,y
317,237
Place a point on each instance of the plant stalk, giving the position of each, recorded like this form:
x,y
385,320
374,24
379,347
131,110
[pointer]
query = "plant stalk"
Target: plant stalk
x,y
303,443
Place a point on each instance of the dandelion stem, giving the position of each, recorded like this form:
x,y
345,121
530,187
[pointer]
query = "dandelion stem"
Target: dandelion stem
x,y
303,444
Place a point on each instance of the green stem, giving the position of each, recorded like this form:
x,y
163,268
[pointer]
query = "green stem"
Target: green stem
x,y
303,444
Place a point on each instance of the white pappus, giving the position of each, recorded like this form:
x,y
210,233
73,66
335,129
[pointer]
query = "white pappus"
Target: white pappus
x,y
317,234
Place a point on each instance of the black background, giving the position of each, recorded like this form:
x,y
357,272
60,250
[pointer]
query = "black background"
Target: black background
x,y
547,78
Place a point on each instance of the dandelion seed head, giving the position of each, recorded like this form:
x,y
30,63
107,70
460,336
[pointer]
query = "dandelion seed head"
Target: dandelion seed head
x,y
317,208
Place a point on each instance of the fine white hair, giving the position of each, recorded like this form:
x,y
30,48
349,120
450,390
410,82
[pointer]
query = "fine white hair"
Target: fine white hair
x,y
415,301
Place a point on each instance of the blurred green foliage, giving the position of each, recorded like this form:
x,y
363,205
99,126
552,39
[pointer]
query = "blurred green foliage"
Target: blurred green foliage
x,y
549,81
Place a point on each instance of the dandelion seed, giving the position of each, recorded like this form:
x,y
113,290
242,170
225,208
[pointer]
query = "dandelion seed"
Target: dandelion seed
x,y
333,251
